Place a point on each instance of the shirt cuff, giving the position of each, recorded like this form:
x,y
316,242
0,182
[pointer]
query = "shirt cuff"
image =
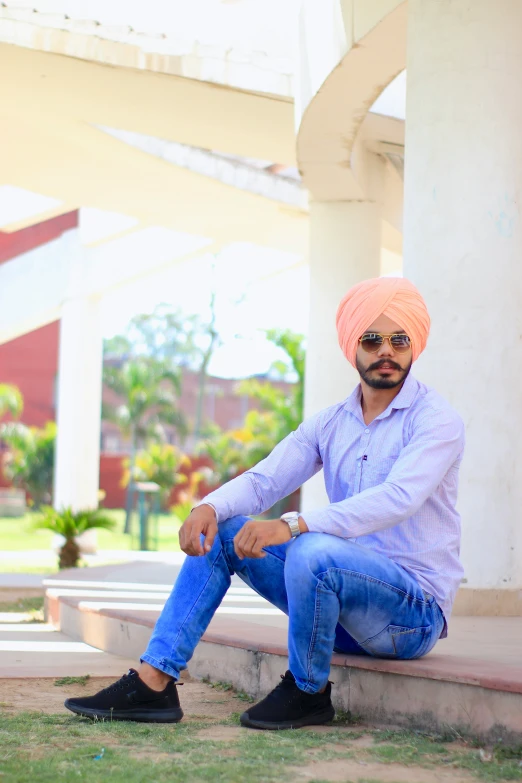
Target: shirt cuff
x,y
206,503
317,520
221,507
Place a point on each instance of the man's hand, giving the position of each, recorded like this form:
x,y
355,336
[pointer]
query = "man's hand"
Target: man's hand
x,y
200,520
253,536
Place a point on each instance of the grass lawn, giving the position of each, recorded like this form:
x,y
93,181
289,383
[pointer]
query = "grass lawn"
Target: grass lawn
x,y
17,534
50,747
209,746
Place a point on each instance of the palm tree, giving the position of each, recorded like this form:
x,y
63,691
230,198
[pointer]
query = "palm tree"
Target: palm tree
x,y
149,389
70,525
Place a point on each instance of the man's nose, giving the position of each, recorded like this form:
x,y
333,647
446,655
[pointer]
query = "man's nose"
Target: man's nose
x,y
386,348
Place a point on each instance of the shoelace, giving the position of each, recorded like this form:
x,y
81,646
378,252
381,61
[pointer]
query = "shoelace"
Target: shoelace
x,y
122,683
285,685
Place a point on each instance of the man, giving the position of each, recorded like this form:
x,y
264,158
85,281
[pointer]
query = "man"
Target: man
x,y
373,573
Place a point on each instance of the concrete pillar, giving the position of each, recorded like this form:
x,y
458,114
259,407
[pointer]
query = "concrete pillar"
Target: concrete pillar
x,y
79,388
462,247
345,248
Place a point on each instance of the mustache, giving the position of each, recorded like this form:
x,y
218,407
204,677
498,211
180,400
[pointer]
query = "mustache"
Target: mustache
x,y
381,362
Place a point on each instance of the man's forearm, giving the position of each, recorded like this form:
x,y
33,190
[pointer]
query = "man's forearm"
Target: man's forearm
x,y
234,498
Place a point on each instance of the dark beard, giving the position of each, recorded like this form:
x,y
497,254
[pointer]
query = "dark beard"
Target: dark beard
x,y
382,383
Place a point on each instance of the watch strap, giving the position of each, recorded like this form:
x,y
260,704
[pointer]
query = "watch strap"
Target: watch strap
x,y
292,520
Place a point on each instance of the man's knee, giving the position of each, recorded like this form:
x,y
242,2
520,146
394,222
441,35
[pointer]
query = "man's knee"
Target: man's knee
x,y
229,528
314,551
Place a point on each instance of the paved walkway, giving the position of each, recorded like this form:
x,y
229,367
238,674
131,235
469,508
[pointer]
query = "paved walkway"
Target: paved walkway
x,y
37,650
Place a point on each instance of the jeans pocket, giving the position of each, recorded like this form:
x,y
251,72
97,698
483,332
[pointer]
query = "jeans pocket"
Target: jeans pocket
x,y
397,641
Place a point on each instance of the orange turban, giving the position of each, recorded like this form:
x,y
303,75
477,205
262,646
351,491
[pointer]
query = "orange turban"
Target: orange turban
x,y
394,297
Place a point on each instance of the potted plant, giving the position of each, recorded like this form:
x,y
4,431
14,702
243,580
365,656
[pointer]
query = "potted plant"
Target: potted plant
x,y
70,525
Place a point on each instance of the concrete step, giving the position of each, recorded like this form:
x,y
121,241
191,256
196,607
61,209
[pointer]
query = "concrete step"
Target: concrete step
x,y
38,650
472,682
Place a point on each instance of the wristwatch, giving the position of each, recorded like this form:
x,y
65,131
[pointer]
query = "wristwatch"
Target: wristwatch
x,y
292,520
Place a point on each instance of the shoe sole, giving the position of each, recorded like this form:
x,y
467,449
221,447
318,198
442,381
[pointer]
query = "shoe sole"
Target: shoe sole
x,y
161,716
310,720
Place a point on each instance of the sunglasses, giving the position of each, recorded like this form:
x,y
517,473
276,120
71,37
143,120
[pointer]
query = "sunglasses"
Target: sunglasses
x,y
372,341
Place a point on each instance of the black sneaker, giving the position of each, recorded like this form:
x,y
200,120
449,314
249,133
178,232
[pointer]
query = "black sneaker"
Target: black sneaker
x,y
288,707
130,699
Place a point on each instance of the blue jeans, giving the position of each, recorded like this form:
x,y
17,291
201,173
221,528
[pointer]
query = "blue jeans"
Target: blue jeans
x,y
339,596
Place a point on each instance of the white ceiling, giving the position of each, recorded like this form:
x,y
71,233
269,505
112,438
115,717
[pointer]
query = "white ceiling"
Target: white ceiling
x,y
264,26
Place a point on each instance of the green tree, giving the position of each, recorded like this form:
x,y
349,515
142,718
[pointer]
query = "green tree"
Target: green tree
x,y
165,335
233,451
11,400
149,392
29,461
170,337
160,463
286,407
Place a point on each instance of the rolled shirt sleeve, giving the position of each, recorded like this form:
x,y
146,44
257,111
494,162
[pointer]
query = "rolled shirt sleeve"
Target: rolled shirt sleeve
x,y
292,462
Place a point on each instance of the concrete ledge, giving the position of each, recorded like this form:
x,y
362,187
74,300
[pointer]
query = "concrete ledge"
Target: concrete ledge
x,y
377,696
474,602
474,695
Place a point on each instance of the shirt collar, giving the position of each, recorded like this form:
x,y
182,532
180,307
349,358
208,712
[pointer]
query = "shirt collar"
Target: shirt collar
x,y
404,399
407,394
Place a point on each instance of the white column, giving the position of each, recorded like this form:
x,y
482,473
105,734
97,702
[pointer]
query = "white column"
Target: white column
x,y
345,248
79,388
463,246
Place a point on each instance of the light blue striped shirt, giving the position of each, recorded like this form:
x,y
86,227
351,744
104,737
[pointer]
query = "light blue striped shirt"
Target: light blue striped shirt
x,y
392,484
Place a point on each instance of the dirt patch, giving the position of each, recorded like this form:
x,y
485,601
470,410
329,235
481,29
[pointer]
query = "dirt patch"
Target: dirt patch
x,y
361,743
347,770
366,741
198,700
221,733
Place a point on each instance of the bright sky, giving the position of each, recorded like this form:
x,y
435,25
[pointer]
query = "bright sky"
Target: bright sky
x,y
256,289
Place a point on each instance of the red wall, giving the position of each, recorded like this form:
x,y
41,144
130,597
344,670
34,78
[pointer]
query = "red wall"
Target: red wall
x,y
31,363
17,242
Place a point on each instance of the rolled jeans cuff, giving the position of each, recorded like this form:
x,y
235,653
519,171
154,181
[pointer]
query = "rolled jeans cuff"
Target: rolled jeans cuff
x,y
161,665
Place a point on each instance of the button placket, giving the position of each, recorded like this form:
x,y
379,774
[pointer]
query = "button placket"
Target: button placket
x,y
361,458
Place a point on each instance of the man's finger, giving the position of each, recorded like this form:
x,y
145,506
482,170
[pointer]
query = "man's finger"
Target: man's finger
x,y
257,548
247,543
209,538
195,540
238,543
182,537
196,547
185,538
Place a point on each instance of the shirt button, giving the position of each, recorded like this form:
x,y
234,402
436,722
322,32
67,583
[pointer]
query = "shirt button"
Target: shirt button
x,y
367,431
